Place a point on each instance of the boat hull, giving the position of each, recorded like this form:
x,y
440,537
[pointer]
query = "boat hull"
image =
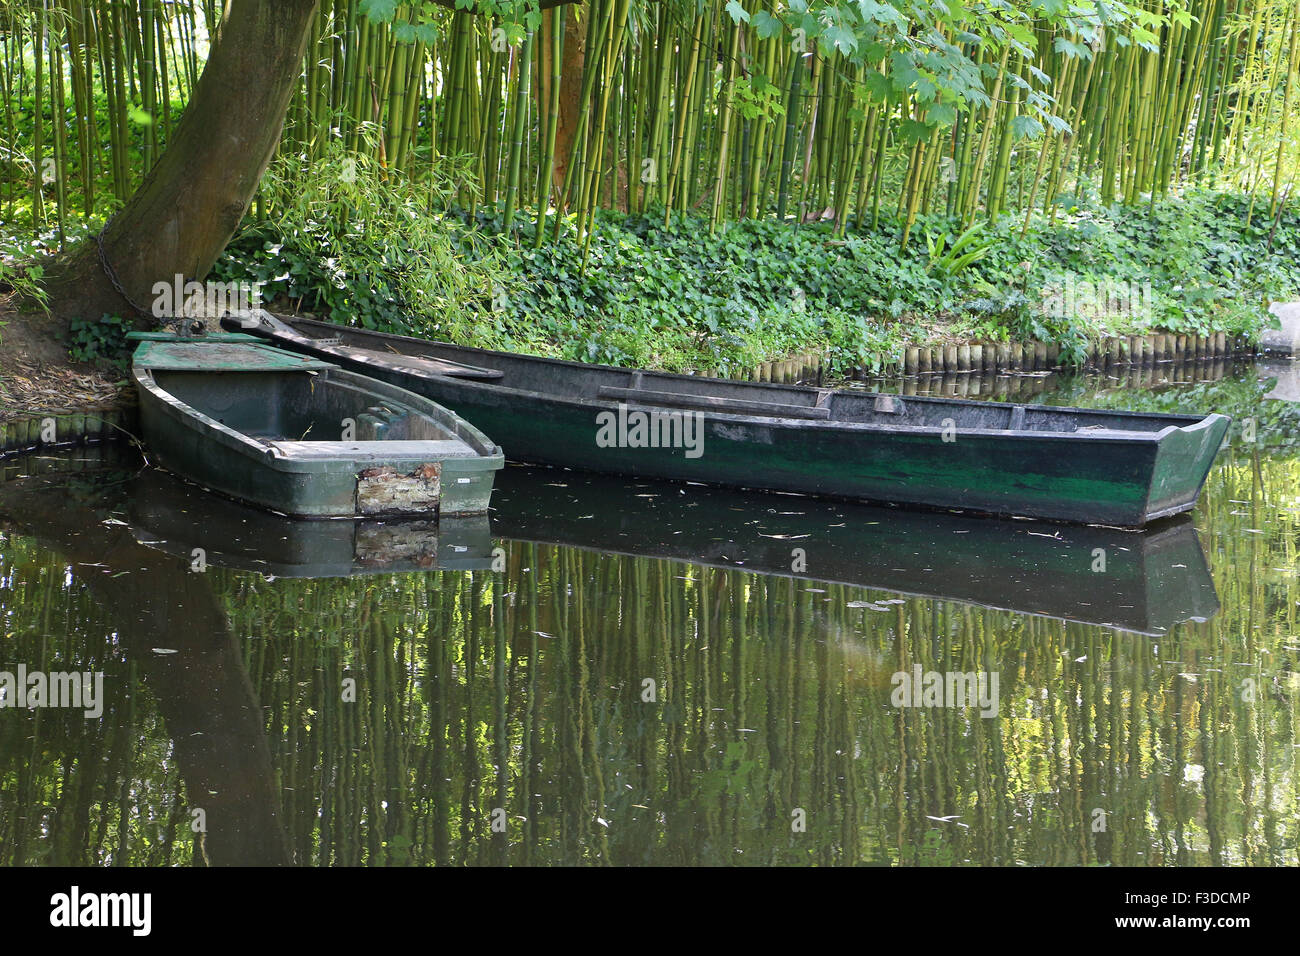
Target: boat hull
x,y
317,479
1100,474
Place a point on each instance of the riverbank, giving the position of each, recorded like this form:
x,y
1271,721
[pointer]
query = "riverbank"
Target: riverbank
x,y
40,381
1115,353
1182,280
1091,284
52,402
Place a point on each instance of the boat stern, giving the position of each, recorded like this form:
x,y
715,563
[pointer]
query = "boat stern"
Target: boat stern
x,y
454,486
1183,460
467,483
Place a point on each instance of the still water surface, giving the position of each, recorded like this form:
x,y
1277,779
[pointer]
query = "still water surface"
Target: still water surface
x,y
634,673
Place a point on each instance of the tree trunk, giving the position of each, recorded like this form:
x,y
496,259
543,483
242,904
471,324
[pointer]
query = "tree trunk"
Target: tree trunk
x,y
191,202
571,64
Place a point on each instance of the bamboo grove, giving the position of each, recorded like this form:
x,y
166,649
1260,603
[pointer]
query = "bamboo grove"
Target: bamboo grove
x,y
847,114
518,697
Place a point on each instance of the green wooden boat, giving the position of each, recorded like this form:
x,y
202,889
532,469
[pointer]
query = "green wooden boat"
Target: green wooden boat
x,y
1062,464
302,436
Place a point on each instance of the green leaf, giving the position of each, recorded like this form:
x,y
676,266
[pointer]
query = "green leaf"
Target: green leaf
x,y
913,131
1057,123
1071,49
514,33
380,11
766,25
841,38
941,114
1026,127
427,32
878,85
738,14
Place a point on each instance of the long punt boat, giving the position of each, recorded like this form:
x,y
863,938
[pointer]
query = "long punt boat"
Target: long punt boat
x,y
1062,464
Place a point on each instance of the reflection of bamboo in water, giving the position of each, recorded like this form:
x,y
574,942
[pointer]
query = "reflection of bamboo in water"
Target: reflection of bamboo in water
x,y
438,688
500,710
225,766
785,691
458,695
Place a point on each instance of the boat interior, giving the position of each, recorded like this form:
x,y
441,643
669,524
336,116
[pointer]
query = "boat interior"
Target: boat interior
x,y
303,413
691,393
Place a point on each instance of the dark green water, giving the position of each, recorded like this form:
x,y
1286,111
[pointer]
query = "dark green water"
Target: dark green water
x,y
447,702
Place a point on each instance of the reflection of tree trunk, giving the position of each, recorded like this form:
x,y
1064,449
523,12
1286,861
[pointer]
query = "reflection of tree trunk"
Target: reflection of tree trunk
x,y
202,689
191,202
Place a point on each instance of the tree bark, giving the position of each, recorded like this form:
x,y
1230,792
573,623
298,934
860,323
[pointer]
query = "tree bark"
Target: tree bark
x,y
191,202
571,64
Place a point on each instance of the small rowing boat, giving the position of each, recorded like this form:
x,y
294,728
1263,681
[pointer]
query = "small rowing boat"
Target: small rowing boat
x,y
302,436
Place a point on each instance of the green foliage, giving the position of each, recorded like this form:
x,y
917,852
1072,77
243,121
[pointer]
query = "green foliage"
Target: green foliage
x,y
758,98
673,296
18,167
20,276
1211,266
347,239
100,340
965,250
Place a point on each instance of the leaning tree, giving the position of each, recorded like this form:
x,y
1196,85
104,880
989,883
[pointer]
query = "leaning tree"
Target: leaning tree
x,y
192,201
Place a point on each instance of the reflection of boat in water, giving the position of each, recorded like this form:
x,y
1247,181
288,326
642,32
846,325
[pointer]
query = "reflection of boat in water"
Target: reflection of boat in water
x,y
1144,581
172,516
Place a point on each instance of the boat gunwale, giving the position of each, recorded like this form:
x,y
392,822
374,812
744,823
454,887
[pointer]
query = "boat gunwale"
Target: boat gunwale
x,y
1116,435
265,452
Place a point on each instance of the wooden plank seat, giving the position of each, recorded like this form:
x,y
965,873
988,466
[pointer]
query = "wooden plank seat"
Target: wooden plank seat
x,y
418,363
374,450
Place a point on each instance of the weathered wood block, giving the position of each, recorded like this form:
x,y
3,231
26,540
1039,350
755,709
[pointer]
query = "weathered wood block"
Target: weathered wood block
x,y
383,490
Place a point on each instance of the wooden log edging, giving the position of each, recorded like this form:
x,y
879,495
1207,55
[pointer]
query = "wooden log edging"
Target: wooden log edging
x,y
1133,351
804,367
1028,387
31,431
1116,352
